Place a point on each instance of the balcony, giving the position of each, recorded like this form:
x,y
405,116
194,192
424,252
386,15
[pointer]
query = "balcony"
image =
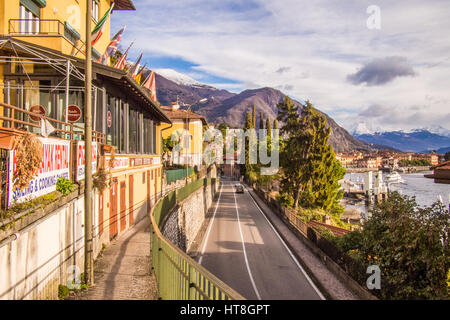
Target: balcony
x,y
49,33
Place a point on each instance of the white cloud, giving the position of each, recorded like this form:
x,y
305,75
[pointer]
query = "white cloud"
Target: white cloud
x,y
316,44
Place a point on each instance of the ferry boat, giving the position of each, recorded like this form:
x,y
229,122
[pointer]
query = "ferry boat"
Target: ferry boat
x,y
394,177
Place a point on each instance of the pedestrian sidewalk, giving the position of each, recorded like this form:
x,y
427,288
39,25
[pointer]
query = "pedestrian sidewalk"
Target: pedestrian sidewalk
x,y
123,271
327,281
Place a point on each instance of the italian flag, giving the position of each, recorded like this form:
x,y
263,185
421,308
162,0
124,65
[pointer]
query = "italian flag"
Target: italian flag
x,y
98,30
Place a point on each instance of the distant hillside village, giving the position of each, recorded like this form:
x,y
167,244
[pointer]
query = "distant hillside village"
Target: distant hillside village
x,y
387,159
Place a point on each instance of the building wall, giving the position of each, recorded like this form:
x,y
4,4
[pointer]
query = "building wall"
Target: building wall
x,y
195,130
72,11
40,259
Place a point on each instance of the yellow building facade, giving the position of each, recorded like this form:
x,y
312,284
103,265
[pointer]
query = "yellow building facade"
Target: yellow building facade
x,y
56,24
39,37
187,128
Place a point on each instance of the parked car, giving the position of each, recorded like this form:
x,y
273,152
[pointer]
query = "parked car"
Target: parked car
x,y
239,188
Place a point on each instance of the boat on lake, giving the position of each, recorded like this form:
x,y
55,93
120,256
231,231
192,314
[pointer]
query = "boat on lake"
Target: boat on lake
x,y
394,177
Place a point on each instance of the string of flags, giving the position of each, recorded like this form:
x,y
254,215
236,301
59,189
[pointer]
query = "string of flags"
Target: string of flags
x,y
136,71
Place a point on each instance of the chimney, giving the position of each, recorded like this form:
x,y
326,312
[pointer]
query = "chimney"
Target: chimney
x,y
326,219
175,106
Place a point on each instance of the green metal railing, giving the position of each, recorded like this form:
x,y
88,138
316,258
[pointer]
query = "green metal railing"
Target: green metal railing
x,y
179,277
177,174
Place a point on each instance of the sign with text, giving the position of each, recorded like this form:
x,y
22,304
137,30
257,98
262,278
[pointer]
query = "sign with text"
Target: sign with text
x,y
73,113
118,163
37,109
55,164
135,162
81,159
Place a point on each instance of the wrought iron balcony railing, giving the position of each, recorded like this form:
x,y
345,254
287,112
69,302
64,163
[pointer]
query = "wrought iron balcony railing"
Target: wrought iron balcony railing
x,y
36,27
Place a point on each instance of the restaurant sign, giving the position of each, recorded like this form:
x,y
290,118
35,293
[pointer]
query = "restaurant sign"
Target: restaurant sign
x,y
55,164
81,159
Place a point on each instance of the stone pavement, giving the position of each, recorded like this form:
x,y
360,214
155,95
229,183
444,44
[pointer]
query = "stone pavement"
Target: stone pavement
x,y
123,271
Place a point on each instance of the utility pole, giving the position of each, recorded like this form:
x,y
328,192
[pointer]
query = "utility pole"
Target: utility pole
x,y
88,245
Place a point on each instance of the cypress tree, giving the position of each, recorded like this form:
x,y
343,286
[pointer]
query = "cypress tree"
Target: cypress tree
x,y
269,135
254,117
248,125
311,171
261,120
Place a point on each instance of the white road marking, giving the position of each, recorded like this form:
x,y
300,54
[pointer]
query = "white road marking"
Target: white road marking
x,y
287,248
245,252
210,227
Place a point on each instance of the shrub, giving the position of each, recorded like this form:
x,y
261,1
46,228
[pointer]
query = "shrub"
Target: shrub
x,y
28,150
409,243
64,186
324,232
63,291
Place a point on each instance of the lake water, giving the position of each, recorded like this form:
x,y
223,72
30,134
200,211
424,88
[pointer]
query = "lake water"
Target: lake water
x,y
424,189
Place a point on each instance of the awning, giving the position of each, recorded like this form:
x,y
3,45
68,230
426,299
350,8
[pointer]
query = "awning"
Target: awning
x,y
120,77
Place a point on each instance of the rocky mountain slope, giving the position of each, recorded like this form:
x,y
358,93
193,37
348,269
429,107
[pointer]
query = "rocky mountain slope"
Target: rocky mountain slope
x,y
221,106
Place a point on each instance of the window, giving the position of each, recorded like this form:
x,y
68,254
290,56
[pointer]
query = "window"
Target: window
x,y
133,116
95,10
29,17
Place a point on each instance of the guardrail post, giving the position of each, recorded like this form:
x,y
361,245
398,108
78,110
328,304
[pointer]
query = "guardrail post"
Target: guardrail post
x,y
192,279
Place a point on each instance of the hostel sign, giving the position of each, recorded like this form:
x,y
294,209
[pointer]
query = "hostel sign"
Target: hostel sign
x,y
81,159
55,164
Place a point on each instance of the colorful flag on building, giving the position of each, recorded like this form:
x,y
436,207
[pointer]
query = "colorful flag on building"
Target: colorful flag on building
x,y
150,84
138,78
112,47
120,64
134,70
98,30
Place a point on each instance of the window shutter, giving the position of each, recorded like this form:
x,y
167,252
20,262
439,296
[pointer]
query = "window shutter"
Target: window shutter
x,y
34,6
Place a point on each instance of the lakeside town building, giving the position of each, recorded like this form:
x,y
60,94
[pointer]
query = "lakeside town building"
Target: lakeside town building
x,y
187,127
383,158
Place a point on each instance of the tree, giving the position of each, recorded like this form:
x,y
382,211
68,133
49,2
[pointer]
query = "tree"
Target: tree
x,y
269,135
246,168
311,171
447,156
253,117
261,120
275,124
409,243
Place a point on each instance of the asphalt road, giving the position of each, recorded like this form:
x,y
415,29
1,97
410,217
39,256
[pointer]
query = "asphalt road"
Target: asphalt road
x,y
242,249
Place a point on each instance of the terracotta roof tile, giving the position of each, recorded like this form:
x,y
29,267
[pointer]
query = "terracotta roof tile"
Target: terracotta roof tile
x,y
182,114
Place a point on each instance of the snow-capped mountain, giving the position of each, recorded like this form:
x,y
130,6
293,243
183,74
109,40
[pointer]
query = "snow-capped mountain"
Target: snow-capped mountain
x,y
440,130
416,140
360,128
179,78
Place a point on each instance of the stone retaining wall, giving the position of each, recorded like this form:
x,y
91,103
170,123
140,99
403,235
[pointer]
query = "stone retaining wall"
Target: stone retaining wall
x,y
185,221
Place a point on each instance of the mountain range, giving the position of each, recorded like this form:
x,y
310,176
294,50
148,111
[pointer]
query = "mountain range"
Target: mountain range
x,y
418,140
222,106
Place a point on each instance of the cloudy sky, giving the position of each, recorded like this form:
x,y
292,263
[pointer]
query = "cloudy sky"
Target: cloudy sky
x,y
380,65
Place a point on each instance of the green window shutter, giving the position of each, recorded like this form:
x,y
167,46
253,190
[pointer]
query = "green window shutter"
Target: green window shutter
x,y
95,54
32,6
74,33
